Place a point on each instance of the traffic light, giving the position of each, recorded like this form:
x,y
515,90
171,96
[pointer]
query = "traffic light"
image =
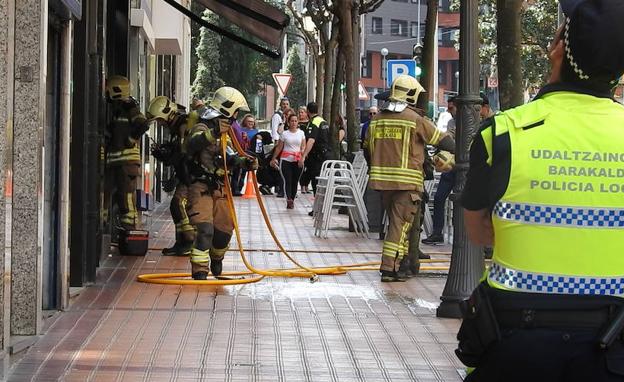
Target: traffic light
x,y
417,55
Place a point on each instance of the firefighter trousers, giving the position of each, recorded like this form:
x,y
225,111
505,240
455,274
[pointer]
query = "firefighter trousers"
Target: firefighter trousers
x,y
401,208
122,185
209,215
185,233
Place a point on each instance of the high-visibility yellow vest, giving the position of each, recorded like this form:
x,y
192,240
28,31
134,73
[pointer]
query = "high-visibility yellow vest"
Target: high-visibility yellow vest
x,y
559,227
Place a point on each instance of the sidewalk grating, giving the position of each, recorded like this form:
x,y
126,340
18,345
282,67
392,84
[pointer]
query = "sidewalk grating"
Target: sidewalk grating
x,y
342,328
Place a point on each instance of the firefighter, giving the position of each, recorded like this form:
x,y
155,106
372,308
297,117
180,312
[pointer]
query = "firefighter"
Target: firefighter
x,y
394,149
207,204
550,306
125,128
172,154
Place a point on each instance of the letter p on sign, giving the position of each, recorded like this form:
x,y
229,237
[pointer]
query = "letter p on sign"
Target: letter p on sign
x,y
398,67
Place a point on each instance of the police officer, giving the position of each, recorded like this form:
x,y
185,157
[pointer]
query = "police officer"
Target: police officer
x,y
125,128
208,207
318,148
173,154
394,148
551,308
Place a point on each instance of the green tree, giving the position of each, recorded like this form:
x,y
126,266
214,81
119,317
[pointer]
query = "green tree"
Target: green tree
x,y
539,23
297,91
207,76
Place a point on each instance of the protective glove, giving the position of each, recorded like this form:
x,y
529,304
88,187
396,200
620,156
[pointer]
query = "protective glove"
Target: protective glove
x,y
249,164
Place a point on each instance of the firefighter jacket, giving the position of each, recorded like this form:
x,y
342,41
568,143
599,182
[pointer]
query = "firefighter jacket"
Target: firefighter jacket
x,y
202,147
395,144
127,125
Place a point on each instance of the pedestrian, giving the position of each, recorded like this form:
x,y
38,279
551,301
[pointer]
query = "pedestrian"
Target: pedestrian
x,y
290,150
445,186
372,111
277,127
339,122
304,181
277,120
207,205
551,306
125,127
248,135
394,149
172,154
317,145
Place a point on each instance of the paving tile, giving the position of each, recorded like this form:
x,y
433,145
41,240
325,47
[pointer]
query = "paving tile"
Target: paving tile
x,y
342,328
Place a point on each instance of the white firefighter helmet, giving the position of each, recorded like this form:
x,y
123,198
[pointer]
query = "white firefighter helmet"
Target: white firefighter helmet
x,y
161,108
228,100
405,89
444,161
117,87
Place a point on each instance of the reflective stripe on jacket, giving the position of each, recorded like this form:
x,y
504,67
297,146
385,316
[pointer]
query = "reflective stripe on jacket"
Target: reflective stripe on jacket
x,y
395,142
559,227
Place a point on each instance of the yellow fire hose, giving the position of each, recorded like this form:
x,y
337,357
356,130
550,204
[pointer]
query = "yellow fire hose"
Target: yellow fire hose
x,y
300,271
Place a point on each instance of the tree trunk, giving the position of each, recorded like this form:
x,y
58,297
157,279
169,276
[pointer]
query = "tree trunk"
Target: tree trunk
x,y
353,118
508,41
346,48
320,87
336,100
426,63
329,73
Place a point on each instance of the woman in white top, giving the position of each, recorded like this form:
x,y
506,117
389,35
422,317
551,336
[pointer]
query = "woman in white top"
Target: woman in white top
x,y
290,149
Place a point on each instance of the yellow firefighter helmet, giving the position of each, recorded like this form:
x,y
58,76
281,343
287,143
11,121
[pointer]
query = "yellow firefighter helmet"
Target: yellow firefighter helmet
x,y
117,87
405,89
161,108
228,100
444,161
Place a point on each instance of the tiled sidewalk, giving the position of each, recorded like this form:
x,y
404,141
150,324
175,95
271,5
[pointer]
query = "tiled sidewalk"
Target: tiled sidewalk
x,y
342,328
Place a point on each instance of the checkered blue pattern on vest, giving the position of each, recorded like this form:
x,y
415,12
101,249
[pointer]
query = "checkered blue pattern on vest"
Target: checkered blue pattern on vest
x,y
560,215
555,284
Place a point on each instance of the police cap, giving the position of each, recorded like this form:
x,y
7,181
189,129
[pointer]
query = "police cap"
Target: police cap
x,y
594,39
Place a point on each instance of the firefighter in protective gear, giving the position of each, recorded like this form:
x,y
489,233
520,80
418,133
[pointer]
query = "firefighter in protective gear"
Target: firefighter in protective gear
x,y
208,207
394,148
172,154
125,127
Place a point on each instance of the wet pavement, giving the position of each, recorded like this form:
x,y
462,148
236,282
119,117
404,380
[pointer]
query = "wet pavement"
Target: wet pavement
x,y
341,328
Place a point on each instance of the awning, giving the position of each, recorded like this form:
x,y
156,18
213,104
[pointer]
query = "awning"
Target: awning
x,y
260,19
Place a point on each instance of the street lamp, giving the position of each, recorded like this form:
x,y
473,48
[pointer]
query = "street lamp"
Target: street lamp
x,y
384,53
467,263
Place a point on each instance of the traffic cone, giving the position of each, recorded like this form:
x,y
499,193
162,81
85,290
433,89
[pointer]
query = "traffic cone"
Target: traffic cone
x,y
250,192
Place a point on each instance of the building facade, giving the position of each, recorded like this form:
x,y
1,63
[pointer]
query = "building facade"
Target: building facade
x,y
54,58
398,25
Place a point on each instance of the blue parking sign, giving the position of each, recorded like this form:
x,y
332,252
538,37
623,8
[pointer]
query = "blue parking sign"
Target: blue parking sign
x,y
397,67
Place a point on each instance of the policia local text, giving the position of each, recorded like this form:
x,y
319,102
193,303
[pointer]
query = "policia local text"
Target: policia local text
x,y
568,171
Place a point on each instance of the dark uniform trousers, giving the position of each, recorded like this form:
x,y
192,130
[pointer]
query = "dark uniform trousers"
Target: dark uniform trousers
x,y
210,216
185,233
401,208
550,338
122,186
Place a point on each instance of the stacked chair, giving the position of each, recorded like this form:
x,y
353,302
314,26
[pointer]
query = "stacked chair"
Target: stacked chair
x,y
341,184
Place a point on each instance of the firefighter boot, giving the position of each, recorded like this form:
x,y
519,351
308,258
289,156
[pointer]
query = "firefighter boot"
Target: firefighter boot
x,y
216,261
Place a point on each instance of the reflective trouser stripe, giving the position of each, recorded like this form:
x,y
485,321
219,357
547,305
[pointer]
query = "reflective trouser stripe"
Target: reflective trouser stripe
x,y
390,249
199,256
216,253
398,249
131,216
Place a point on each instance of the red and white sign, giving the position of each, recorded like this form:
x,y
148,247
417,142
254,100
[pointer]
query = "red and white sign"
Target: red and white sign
x,y
283,81
362,93
492,82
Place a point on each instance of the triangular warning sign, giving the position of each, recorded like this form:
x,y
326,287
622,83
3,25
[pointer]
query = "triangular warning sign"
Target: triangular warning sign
x,y
362,93
283,81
